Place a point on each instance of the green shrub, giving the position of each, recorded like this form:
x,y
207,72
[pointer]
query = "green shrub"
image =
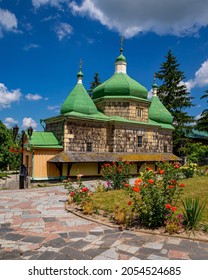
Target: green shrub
x,y
193,212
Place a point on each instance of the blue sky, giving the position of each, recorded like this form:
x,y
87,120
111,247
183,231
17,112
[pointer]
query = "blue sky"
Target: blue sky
x,y
42,42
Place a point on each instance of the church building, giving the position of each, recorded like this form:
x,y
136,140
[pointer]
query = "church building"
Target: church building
x,y
118,121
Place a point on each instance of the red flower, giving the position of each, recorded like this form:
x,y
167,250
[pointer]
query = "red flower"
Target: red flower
x,y
167,206
173,182
130,203
149,168
176,166
72,194
162,171
182,185
136,189
126,185
173,208
85,189
151,181
171,187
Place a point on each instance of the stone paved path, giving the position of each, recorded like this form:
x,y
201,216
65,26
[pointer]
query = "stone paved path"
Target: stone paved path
x,y
34,225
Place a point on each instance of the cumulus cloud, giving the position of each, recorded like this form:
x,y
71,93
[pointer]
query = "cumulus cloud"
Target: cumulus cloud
x,y
10,122
201,77
33,97
178,17
62,30
30,46
39,3
8,22
7,97
26,122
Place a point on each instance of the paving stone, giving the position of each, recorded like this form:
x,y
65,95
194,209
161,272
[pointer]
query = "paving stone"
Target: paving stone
x,y
153,245
33,239
74,254
50,219
78,244
111,253
94,252
96,232
57,242
48,255
156,257
6,225
76,234
13,236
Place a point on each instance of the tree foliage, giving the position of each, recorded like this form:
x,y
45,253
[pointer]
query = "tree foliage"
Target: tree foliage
x,y
196,152
96,82
175,97
202,122
6,141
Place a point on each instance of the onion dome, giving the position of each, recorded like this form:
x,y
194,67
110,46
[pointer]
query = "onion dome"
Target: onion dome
x,y
79,100
157,111
120,84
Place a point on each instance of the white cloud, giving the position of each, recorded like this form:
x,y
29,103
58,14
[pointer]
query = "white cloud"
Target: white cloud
x,y
30,46
178,17
26,122
39,3
8,22
62,30
53,107
10,121
201,77
7,97
33,97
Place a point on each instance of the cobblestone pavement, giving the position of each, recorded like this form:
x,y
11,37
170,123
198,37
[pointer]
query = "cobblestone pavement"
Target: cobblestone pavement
x,y
34,225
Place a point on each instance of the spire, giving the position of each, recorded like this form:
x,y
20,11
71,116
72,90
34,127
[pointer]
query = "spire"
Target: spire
x,y
120,64
80,74
154,86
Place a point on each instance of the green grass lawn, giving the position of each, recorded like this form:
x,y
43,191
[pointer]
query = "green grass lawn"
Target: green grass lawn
x,y
194,187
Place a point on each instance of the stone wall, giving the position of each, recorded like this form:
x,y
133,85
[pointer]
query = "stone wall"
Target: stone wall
x,y
78,134
126,140
57,128
126,109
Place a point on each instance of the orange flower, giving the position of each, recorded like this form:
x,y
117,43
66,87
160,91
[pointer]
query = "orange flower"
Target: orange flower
x,y
173,182
182,185
139,180
126,185
151,181
171,187
162,171
130,203
136,189
173,208
167,206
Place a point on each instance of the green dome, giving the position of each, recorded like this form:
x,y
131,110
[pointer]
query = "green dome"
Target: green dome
x,y
121,57
120,84
79,101
158,112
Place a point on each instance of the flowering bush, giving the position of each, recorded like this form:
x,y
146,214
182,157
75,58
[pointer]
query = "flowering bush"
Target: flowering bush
x,y
174,224
77,192
155,194
188,170
117,174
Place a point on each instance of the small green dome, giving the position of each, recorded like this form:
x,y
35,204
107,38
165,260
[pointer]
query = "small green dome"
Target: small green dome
x,y
79,100
158,112
120,84
121,57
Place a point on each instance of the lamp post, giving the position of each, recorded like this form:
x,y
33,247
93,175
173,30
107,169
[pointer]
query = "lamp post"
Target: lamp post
x,y
23,169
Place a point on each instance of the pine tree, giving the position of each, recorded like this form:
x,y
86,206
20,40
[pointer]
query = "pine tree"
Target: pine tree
x,y
96,82
202,123
175,97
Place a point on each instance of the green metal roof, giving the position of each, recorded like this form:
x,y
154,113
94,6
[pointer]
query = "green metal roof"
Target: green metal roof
x,y
121,57
79,101
196,134
120,84
158,112
44,140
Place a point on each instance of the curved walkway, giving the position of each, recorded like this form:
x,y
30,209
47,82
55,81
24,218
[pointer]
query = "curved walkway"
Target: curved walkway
x,y
34,225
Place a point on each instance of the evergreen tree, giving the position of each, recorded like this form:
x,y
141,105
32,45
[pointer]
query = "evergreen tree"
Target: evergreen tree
x,y
96,82
202,123
175,97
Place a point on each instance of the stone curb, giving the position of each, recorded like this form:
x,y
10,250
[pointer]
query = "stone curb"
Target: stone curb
x,y
67,208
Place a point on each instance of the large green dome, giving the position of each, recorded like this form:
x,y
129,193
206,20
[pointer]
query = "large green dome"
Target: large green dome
x,y
158,112
79,100
120,84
